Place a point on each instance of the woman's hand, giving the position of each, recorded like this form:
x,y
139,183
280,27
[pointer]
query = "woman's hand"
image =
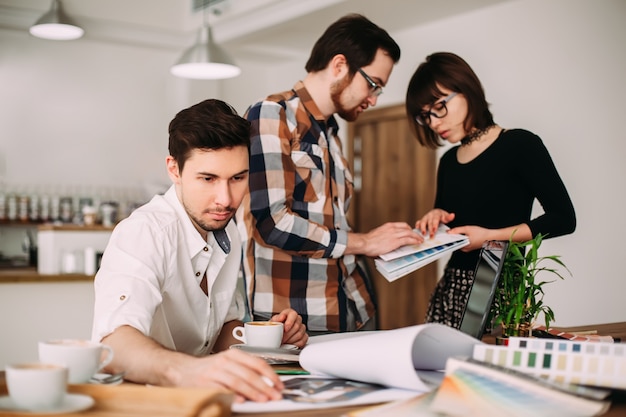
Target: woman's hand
x,y
429,224
477,236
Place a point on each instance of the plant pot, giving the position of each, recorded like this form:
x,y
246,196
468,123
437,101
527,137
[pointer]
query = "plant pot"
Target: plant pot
x,y
517,330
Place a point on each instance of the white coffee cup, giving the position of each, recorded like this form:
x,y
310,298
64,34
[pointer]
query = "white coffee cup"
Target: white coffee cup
x,y
83,358
260,333
36,386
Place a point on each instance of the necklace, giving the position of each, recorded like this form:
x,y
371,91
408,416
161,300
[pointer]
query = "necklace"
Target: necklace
x,y
475,135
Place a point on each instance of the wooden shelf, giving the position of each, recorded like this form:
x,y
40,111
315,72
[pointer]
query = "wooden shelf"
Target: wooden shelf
x,y
18,223
18,275
55,226
74,227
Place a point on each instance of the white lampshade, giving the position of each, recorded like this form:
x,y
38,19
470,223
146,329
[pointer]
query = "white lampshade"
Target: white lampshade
x,y
205,60
56,25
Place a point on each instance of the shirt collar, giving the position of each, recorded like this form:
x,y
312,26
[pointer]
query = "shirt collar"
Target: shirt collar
x,y
312,109
194,241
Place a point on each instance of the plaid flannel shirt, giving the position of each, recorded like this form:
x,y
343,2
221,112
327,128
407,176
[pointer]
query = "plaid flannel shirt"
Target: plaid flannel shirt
x,y
293,222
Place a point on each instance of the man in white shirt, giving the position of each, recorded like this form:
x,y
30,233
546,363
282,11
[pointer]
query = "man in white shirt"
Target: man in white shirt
x,y
166,294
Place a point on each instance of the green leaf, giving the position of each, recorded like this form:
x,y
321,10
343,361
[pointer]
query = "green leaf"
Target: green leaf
x,y
519,298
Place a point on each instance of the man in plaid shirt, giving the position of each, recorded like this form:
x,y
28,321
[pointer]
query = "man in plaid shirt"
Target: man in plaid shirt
x,y
300,251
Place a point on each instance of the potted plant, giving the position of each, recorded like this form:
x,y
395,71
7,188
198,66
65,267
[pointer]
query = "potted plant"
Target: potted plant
x,y
518,302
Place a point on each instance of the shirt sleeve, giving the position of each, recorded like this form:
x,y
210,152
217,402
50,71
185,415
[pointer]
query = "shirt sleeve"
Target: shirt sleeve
x,y
277,172
559,217
126,286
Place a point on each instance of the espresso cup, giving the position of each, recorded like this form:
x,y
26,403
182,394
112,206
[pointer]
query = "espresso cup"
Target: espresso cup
x,y
36,386
83,358
267,334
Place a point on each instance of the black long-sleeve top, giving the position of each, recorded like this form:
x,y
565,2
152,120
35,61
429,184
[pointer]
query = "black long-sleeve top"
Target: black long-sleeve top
x,y
498,187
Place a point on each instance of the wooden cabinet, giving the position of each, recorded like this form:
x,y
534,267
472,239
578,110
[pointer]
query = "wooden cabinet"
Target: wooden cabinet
x,y
394,181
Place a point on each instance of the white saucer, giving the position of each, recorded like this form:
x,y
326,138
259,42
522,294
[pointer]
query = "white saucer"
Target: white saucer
x,y
71,404
285,346
274,356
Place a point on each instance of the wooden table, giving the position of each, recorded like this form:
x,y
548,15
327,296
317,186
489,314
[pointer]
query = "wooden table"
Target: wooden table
x,y
108,400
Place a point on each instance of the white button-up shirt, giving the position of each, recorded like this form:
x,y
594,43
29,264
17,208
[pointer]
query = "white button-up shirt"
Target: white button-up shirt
x,y
150,278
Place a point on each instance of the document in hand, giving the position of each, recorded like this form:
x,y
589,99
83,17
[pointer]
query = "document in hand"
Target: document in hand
x,y
406,259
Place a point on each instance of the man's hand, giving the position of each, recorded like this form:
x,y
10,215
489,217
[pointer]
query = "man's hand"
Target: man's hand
x,y
294,332
383,239
146,362
247,376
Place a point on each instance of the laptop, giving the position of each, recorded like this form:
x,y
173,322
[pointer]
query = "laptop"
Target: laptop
x,y
486,278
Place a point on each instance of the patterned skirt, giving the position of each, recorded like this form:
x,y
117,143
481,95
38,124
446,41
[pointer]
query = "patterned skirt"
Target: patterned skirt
x,y
450,295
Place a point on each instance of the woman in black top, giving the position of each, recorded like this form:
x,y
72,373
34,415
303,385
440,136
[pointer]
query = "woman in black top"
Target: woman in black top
x,y
485,186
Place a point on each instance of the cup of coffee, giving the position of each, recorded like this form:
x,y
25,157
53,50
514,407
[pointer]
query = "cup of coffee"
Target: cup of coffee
x,y
83,358
36,386
260,333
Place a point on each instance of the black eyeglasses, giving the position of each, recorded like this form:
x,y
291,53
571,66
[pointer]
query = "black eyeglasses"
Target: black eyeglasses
x,y
437,110
375,89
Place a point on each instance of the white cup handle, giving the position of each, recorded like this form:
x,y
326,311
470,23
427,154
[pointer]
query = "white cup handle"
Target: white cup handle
x,y
109,357
239,334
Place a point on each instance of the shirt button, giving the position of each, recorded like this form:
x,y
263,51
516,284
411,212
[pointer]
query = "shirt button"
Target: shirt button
x,y
197,274
206,249
122,297
206,343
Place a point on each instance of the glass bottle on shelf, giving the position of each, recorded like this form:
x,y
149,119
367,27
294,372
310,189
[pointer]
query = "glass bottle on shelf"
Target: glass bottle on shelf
x,y
34,207
12,206
23,205
3,203
44,209
65,209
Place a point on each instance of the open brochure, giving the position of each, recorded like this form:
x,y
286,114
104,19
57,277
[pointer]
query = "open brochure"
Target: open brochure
x,y
475,388
369,367
406,259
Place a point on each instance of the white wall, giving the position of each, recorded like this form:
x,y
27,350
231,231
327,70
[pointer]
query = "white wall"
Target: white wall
x,y
86,112
555,67
31,312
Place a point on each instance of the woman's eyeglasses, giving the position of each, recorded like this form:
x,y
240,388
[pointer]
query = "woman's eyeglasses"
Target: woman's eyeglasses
x,y
437,110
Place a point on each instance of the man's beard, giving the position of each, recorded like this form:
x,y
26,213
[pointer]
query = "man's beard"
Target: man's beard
x,y
214,225
336,90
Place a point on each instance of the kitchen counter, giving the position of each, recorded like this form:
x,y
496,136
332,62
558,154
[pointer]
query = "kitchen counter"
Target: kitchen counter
x,y
13,275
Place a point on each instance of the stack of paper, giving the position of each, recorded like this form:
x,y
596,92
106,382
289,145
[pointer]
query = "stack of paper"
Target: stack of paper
x,y
406,259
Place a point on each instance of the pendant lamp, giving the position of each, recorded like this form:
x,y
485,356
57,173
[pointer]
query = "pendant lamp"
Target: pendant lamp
x,y
56,25
205,60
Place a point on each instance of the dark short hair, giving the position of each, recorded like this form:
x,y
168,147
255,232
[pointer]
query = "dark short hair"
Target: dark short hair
x,y
210,124
355,37
453,73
